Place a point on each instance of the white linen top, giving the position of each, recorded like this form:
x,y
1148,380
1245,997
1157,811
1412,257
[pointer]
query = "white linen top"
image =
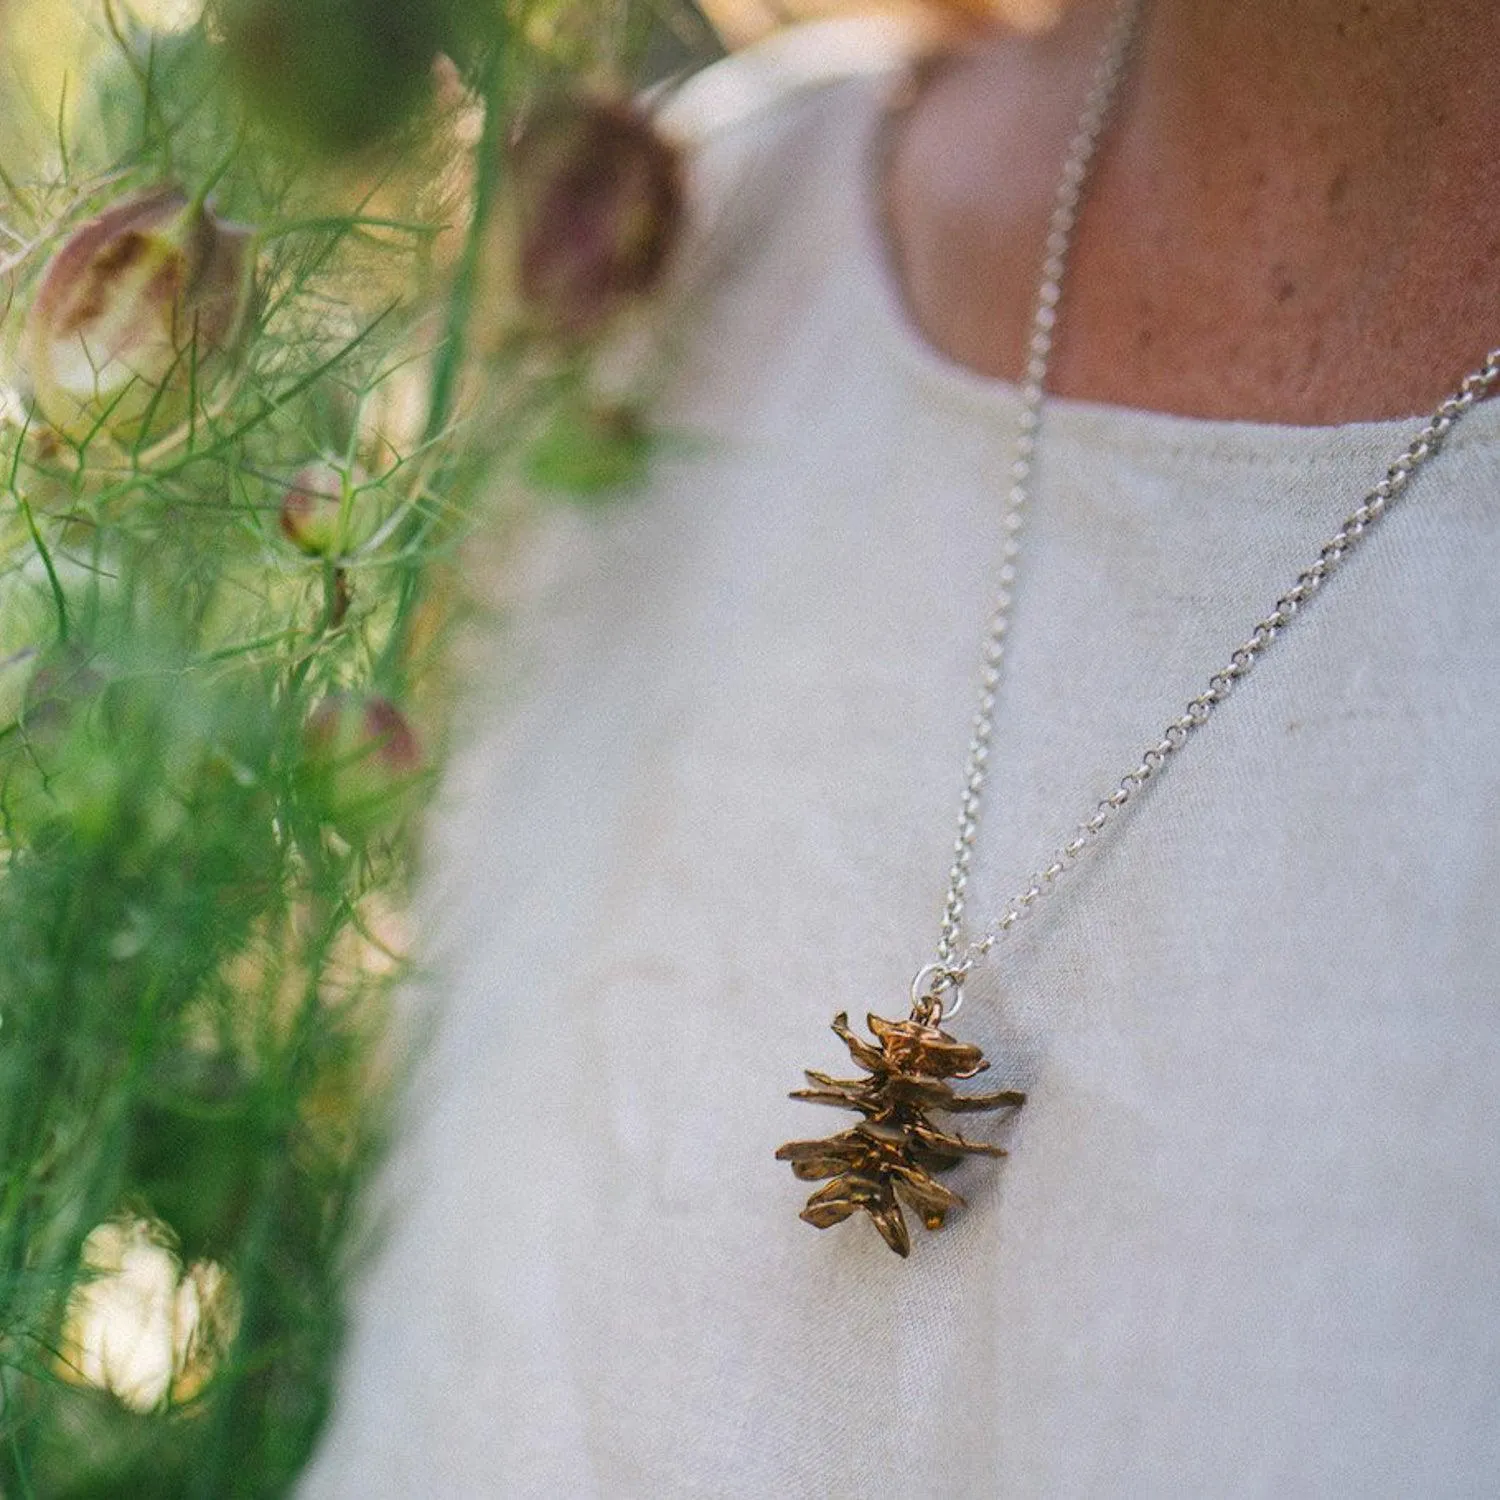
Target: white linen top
x,y
1248,1239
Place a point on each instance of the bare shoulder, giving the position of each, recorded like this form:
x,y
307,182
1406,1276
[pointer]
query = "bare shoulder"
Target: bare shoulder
x,y
980,130
968,182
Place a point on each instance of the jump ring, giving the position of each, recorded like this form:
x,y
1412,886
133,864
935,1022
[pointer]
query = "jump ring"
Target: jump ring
x,y
931,983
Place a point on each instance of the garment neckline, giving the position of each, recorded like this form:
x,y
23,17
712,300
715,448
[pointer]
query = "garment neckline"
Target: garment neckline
x,y
947,378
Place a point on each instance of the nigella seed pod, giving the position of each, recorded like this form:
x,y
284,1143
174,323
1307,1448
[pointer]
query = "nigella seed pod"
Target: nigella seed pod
x,y
141,314
321,513
364,763
599,201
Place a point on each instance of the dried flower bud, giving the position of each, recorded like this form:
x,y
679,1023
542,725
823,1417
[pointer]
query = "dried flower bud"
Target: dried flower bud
x,y
319,511
599,200
141,310
364,762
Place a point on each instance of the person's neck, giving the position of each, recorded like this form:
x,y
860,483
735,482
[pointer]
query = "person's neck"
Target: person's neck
x,y
1293,217
1306,78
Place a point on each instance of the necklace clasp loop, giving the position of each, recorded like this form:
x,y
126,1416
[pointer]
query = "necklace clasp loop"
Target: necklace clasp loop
x,y
932,983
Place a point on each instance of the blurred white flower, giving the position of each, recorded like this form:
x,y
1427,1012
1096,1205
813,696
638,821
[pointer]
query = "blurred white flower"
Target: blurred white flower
x,y
140,1328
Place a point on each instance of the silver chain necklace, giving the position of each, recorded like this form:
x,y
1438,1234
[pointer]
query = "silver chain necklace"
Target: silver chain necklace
x,y
890,1157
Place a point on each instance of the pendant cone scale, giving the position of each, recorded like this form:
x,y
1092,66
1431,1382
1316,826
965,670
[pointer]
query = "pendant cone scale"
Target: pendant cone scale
x,y
892,1155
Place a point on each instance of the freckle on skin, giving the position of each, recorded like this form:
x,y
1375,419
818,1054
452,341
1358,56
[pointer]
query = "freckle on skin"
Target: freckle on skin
x,y
1286,290
1339,187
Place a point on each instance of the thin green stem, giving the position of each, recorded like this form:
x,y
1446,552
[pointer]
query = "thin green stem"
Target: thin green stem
x,y
418,228
454,350
59,599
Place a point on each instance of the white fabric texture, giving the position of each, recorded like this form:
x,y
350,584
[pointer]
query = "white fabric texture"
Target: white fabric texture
x,y
1248,1239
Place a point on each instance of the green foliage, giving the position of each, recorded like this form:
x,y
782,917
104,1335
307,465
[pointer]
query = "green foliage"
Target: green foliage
x,y
215,738
589,451
341,75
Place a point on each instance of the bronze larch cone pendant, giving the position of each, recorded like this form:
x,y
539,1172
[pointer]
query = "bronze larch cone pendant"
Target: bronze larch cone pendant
x,y
891,1155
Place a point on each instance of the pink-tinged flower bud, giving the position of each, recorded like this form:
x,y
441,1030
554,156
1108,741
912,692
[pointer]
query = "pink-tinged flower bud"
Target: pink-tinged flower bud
x,y
599,200
364,761
319,512
141,311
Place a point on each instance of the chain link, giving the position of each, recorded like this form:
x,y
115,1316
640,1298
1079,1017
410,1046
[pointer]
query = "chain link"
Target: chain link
x,y
1081,150
953,965
1241,660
